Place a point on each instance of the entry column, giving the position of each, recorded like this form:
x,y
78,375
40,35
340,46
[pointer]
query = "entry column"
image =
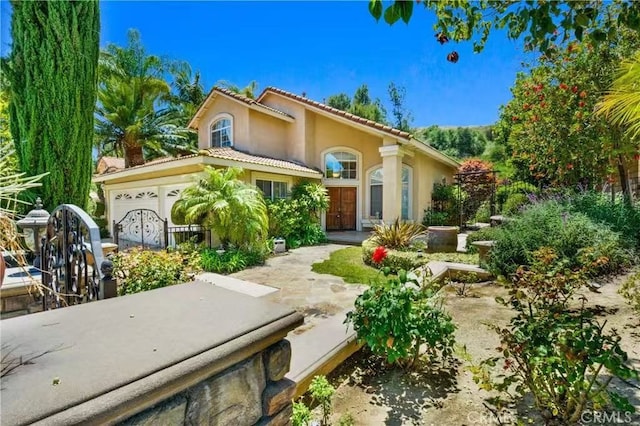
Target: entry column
x,y
391,182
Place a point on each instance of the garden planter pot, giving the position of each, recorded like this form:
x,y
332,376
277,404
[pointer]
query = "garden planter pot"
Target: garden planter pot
x,y
442,239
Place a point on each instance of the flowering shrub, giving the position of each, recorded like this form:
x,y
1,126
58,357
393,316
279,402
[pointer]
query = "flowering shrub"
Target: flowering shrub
x,y
552,350
379,254
395,318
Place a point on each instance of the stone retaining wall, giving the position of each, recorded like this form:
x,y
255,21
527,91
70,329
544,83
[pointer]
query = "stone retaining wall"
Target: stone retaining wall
x,y
191,354
253,392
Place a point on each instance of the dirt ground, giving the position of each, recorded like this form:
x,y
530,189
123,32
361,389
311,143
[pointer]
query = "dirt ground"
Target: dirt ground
x,y
375,394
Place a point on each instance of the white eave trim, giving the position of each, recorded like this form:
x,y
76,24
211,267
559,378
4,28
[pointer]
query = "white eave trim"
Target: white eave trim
x,y
214,161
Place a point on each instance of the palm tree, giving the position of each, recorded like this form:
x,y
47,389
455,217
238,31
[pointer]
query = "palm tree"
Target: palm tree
x,y
234,210
248,91
621,105
189,91
134,117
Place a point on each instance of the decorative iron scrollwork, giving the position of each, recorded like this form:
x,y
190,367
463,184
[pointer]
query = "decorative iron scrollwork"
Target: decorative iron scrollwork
x,y
141,227
71,257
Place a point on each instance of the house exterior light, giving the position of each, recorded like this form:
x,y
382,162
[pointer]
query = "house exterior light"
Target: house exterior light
x,y
34,225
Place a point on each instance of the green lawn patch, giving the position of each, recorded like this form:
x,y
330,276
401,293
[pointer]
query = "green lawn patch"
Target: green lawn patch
x,y
347,263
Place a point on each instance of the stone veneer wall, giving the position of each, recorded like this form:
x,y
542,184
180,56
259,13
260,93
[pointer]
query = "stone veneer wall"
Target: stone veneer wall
x,y
252,392
18,300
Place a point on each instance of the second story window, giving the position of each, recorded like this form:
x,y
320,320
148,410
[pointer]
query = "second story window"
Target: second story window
x,y
221,133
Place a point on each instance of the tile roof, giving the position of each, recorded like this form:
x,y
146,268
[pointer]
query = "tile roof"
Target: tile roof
x,y
335,111
229,154
111,163
232,154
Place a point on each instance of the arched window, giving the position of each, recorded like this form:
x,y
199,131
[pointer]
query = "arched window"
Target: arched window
x,y
375,193
341,165
222,133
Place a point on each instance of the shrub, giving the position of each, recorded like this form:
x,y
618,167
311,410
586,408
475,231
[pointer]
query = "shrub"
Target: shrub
x,y
553,351
573,236
514,204
442,192
630,290
483,214
435,218
395,318
297,219
230,260
619,215
398,234
141,270
517,187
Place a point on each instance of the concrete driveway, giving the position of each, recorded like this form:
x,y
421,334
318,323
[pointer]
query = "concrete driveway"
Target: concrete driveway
x,y
316,296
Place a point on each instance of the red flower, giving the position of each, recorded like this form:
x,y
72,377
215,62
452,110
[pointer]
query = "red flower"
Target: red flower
x,y
563,86
583,94
574,89
569,166
379,254
581,104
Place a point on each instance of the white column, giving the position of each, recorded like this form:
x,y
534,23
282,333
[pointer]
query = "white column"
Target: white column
x,y
391,182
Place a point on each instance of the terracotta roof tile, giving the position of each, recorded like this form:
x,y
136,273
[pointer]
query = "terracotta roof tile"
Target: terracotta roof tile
x,y
247,100
232,154
335,111
109,164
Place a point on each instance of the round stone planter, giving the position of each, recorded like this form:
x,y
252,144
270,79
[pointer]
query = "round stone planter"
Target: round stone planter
x,y
442,239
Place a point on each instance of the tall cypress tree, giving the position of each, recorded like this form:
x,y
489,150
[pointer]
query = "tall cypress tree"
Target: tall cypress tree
x,y
52,70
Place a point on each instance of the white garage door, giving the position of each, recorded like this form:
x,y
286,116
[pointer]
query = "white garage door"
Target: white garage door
x,y
137,227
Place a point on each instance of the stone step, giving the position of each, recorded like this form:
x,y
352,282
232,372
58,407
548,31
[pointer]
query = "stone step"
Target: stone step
x,y
320,350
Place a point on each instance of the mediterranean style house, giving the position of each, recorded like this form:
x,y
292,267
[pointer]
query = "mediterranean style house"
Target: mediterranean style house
x,y
371,171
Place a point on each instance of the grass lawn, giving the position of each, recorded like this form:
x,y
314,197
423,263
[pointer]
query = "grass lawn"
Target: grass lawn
x,y
347,263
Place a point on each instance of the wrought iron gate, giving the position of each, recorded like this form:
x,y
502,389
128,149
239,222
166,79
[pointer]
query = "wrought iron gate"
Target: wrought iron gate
x,y
141,227
475,190
72,265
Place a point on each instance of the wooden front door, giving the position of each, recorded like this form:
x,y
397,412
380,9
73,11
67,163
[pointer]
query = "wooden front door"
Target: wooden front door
x,y
341,215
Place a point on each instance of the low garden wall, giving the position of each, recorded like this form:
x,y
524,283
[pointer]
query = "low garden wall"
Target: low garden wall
x,y
186,354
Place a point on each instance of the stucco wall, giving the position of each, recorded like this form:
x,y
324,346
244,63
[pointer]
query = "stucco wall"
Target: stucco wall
x,y
267,136
240,114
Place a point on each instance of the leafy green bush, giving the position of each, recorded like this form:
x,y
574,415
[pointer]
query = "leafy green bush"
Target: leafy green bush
x,y
483,214
573,236
230,260
436,218
395,318
141,270
514,204
297,219
517,187
553,350
619,215
398,234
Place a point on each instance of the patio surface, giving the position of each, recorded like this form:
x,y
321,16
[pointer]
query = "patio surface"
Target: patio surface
x,y
316,296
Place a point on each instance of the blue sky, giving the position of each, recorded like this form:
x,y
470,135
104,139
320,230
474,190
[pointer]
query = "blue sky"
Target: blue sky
x,y
320,48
